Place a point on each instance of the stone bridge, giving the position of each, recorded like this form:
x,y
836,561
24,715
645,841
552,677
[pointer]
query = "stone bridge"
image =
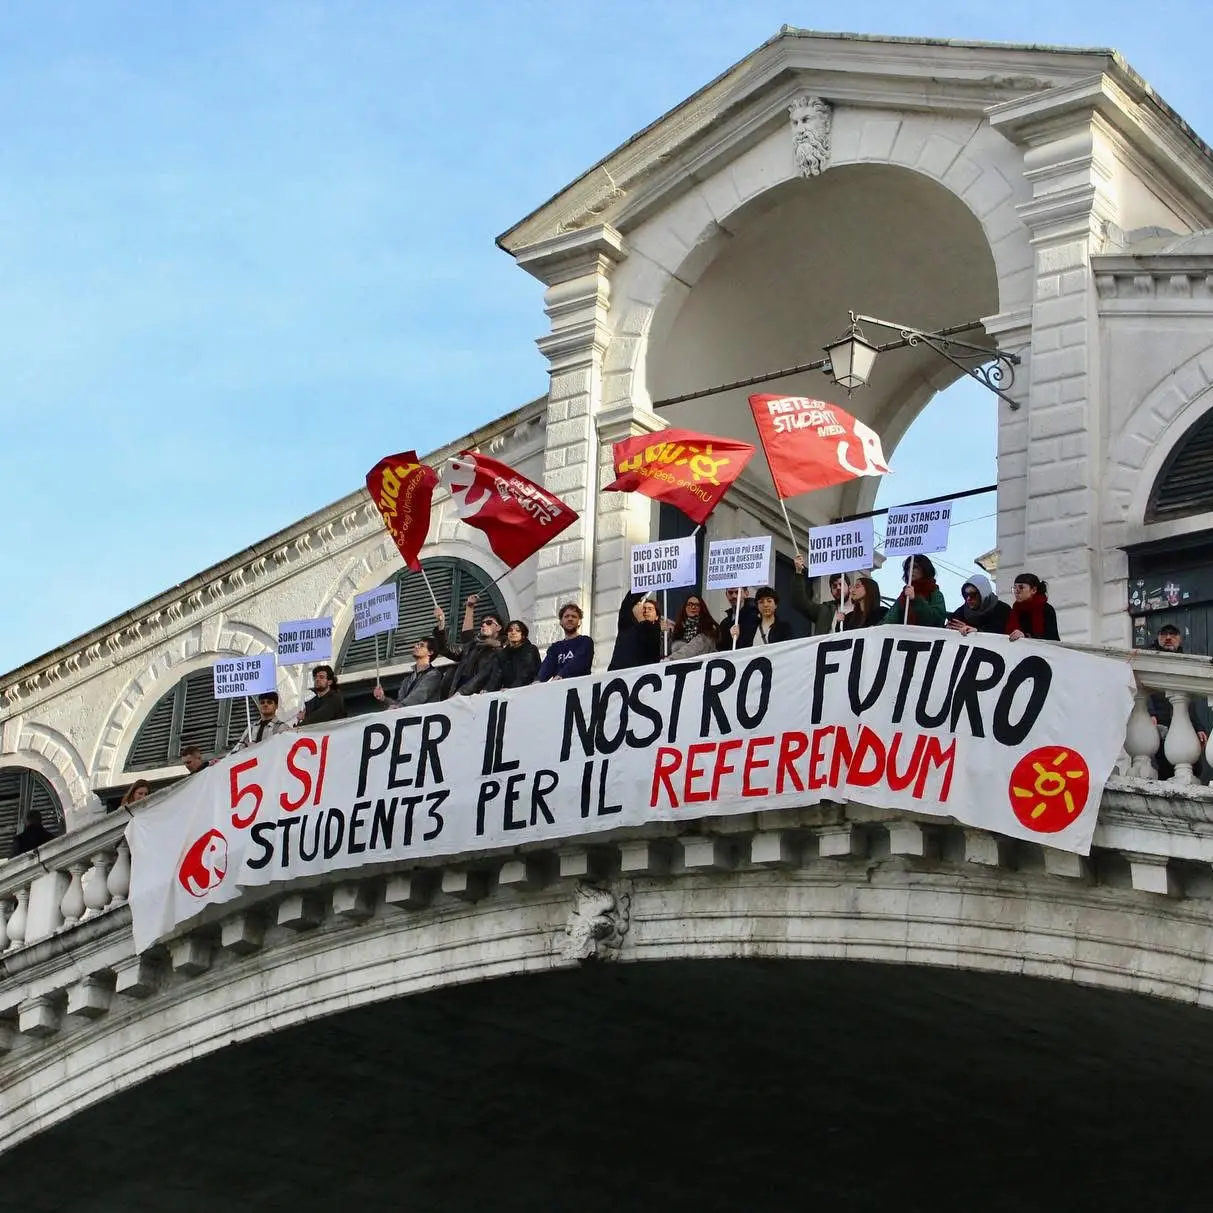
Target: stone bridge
x,y
850,992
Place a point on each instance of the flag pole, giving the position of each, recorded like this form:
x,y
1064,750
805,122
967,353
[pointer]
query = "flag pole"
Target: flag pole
x,y
665,635
429,587
906,592
248,715
791,533
377,682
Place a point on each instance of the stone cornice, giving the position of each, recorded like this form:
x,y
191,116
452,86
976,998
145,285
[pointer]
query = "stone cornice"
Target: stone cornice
x,y
1174,283
252,571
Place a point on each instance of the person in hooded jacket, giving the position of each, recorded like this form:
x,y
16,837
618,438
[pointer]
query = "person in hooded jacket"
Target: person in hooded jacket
x,y
982,609
517,660
1031,617
638,640
927,608
477,652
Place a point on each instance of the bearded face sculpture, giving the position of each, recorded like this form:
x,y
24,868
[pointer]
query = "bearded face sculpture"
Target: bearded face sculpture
x,y
811,122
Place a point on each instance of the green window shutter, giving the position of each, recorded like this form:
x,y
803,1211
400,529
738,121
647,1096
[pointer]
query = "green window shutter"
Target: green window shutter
x,y
22,790
452,581
154,739
204,718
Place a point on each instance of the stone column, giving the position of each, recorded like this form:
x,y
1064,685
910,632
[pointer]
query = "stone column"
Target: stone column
x,y
576,268
1070,164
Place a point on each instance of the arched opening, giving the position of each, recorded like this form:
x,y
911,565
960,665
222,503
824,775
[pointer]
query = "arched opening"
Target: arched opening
x,y
26,797
777,282
1185,485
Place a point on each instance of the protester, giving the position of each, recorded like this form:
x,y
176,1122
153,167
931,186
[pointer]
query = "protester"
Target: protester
x,y
982,609
771,629
572,656
477,652
638,640
191,756
866,610
267,724
927,608
326,703
517,660
748,622
695,632
1162,711
825,617
423,684
1031,617
32,837
139,790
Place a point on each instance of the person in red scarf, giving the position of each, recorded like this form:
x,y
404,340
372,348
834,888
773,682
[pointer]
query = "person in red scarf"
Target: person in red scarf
x,y
927,608
1031,616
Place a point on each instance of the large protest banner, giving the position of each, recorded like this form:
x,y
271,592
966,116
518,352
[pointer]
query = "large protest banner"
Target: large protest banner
x,y
667,565
993,733
734,563
303,640
842,547
917,530
376,611
237,676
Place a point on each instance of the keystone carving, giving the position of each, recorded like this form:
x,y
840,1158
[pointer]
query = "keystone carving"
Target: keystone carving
x,y
597,924
812,119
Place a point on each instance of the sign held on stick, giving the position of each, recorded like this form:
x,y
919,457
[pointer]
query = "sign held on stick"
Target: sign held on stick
x,y
843,547
376,611
669,564
738,562
303,640
240,676
917,530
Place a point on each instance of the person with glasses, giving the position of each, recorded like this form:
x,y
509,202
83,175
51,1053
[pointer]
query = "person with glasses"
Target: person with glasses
x,y
981,611
1031,616
424,684
266,725
695,632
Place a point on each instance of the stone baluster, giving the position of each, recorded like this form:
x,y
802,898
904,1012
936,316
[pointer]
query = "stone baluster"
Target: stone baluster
x,y
16,924
119,880
71,906
96,890
1182,747
1209,753
1141,738
4,914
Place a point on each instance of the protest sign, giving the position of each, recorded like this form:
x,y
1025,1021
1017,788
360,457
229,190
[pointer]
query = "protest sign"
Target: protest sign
x,y
843,547
993,733
733,563
376,611
237,676
917,530
667,565
303,640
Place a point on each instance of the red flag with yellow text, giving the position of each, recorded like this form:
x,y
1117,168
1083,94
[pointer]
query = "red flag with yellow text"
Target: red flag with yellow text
x,y
516,514
681,468
403,489
810,444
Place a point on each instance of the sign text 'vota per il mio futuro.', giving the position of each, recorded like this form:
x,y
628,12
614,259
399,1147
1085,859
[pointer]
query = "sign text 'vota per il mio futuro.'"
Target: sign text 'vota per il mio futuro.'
x,y
993,733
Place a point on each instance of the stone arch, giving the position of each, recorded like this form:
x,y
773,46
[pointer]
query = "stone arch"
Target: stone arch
x,y
186,654
1149,434
966,158
897,916
57,763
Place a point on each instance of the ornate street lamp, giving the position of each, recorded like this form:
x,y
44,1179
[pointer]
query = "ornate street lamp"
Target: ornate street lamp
x,y
851,358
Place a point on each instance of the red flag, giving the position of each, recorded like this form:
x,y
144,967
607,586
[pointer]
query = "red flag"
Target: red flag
x,y
515,513
403,488
684,469
810,444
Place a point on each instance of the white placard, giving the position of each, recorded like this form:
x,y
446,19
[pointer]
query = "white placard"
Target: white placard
x,y
238,676
842,547
304,640
376,611
666,565
917,530
995,733
734,563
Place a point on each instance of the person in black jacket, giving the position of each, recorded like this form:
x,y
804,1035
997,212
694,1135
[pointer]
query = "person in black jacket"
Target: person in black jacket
x,y
771,629
32,837
517,660
747,624
1031,617
982,610
1162,712
638,641
424,684
477,652
326,703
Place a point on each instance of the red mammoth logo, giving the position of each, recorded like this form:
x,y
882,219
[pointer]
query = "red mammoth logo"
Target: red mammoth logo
x,y
204,865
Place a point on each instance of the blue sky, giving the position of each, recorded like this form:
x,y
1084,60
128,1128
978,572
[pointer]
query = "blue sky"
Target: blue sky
x,y
246,247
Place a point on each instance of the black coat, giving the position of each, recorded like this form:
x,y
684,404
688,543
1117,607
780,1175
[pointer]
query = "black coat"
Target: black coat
x,y
636,643
780,630
474,661
994,620
514,667
322,708
746,628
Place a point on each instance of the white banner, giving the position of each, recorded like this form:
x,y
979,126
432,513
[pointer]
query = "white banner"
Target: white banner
x,y
994,733
376,611
304,640
917,530
237,676
843,547
667,565
733,563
